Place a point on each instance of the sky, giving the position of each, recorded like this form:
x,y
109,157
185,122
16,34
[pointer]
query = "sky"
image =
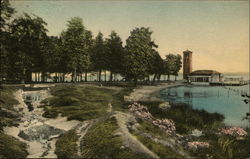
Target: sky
x,y
217,32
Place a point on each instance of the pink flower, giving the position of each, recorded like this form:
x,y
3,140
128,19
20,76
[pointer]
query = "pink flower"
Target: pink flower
x,y
196,145
233,131
141,111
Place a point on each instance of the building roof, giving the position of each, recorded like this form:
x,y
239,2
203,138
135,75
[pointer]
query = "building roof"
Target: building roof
x,y
187,51
203,73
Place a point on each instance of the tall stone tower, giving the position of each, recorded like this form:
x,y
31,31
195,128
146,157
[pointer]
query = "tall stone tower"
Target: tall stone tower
x,y
187,63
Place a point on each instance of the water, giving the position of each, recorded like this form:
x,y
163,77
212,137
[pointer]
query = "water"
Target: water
x,y
225,100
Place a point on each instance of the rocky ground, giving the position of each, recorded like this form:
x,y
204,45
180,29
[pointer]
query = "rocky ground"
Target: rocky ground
x,y
41,134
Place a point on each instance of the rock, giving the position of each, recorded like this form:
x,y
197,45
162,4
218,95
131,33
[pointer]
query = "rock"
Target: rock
x,y
164,106
26,123
196,133
117,134
122,147
128,98
40,132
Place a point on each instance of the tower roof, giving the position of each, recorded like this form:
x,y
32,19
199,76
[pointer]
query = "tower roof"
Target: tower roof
x,y
187,51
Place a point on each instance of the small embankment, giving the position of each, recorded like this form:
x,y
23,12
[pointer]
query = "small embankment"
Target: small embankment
x,y
37,132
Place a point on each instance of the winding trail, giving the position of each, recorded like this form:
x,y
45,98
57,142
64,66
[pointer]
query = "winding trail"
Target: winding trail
x,y
123,119
81,130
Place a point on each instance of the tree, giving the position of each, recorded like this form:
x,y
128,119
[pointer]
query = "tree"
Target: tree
x,y
75,45
114,54
177,65
138,54
157,66
99,55
6,13
27,35
169,65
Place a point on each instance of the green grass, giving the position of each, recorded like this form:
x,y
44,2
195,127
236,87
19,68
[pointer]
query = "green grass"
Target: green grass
x,y
118,102
9,116
79,103
186,118
161,150
10,147
224,147
100,142
148,127
83,102
66,146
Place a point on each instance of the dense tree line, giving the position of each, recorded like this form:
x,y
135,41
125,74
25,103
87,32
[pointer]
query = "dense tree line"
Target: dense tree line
x,y
26,48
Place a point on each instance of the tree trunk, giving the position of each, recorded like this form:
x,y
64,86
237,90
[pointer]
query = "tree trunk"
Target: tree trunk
x,y
175,77
86,75
159,77
111,76
28,76
100,75
153,81
38,76
63,77
168,77
35,76
74,76
135,81
105,72
56,77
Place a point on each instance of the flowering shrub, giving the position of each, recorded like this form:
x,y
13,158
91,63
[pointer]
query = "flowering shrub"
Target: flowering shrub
x,y
233,131
197,145
142,112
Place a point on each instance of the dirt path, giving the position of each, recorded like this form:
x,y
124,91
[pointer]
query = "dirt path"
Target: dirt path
x,y
81,130
129,140
150,93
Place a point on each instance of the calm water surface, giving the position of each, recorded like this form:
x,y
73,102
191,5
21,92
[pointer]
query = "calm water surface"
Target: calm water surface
x,y
225,100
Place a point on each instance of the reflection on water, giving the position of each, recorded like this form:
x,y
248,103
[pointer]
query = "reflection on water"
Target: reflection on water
x,y
225,100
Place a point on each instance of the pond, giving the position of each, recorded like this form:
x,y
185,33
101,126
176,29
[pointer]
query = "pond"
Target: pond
x,y
225,100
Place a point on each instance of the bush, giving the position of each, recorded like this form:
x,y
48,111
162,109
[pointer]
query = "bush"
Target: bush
x,y
11,147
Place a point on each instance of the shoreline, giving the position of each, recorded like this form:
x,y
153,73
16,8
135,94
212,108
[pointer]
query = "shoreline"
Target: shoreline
x,y
151,93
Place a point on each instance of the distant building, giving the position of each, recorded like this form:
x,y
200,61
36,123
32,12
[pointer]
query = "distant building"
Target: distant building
x,y
233,81
205,77
187,63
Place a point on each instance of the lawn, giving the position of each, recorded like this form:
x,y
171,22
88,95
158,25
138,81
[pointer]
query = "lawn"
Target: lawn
x,y
77,102
83,102
9,146
101,142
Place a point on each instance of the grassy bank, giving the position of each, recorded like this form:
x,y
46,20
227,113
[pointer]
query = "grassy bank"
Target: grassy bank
x,y
9,146
66,146
79,103
186,118
9,116
101,142
83,102
161,150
